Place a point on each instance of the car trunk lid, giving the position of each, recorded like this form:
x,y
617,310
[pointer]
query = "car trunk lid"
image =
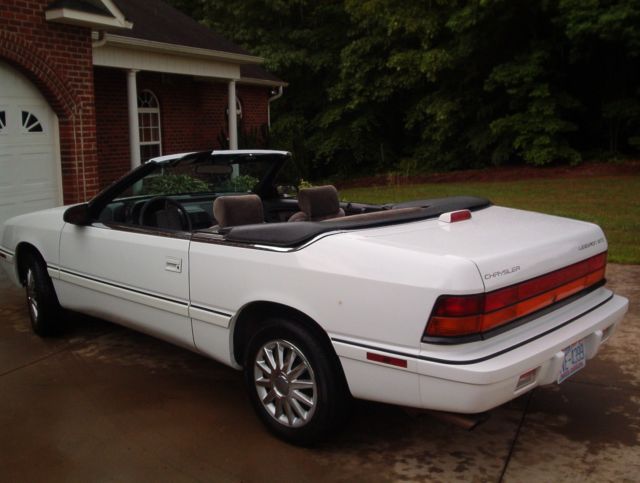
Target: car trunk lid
x,y
508,246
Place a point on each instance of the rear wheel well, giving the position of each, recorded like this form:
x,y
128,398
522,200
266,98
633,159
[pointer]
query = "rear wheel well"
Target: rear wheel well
x,y
252,316
24,252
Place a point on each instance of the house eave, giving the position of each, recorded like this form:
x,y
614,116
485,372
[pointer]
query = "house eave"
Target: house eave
x,y
84,19
261,82
122,41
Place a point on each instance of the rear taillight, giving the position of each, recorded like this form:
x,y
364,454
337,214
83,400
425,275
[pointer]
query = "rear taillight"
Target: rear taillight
x,y
466,315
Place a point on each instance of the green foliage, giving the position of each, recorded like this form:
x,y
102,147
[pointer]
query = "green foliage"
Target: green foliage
x,y
533,127
173,184
239,184
443,83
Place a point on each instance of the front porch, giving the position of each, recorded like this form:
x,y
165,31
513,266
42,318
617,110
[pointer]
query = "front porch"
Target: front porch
x,y
171,113
154,98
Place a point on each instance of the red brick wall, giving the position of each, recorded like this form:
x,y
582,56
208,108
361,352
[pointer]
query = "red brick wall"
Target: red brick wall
x,y
58,59
255,102
192,114
111,124
212,112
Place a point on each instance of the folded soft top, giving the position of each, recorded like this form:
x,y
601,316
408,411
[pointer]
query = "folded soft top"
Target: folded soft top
x,y
295,234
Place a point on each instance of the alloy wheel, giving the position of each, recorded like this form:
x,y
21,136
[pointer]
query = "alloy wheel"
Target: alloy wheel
x,y
285,383
32,296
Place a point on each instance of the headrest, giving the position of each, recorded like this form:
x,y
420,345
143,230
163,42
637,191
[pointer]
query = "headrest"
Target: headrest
x,y
319,201
238,210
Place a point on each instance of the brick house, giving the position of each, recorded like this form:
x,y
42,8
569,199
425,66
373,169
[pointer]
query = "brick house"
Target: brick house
x,y
90,88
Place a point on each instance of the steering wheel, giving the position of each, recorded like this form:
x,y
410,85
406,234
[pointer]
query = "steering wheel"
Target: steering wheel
x,y
158,203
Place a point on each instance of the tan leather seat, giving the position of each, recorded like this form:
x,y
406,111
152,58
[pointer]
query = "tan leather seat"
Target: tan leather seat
x,y
317,204
238,210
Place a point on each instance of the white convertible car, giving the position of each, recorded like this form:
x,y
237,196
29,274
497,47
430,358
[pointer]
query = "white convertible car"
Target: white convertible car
x,y
449,304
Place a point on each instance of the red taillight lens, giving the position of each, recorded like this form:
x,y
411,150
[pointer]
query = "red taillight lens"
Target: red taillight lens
x,y
458,306
464,315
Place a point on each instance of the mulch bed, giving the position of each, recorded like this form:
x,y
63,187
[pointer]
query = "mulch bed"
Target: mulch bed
x,y
502,173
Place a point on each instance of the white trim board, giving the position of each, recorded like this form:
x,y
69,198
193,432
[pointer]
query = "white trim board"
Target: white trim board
x,y
126,58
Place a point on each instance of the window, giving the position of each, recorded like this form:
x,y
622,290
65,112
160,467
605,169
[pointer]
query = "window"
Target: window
x,y
201,174
225,132
3,121
149,124
30,122
238,111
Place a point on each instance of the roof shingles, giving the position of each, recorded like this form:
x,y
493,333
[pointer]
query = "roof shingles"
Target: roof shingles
x,y
158,21
81,6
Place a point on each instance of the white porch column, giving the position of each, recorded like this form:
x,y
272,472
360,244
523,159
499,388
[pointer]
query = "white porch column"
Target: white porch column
x,y
134,130
233,116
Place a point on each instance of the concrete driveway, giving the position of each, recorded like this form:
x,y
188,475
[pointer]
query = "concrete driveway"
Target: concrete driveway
x,y
108,404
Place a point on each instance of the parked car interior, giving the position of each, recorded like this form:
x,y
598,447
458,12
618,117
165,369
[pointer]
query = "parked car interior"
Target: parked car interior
x,y
244,198
318,203
238,210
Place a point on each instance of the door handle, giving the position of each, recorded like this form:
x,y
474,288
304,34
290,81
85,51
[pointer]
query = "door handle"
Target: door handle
x,y
173,265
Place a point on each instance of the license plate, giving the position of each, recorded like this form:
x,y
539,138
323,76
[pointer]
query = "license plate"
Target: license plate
x,y
574,360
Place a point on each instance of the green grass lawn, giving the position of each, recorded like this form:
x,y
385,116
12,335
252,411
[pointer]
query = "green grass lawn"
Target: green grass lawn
x,y
613,202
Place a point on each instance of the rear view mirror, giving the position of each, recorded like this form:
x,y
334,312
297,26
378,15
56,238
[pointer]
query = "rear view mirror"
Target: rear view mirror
x,y
78,215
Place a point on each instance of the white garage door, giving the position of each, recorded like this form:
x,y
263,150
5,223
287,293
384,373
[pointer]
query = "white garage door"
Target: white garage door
x,y
29,167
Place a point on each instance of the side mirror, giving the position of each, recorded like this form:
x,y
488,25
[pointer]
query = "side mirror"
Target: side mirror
x,y
78,215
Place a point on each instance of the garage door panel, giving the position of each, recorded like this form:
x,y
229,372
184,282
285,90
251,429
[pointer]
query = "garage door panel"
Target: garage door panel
x,y
37,168
9,210
38,204
33,143
8,170
21,170
29,170
6,211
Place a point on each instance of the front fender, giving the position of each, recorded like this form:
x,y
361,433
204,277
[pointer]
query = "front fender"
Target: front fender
x,y
38,231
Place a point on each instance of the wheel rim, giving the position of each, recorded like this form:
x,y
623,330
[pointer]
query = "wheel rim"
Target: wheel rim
x,y
285,383
32,296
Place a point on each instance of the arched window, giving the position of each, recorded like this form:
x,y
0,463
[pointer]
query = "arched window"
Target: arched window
x,y
238,121
238,111
239,108
149,123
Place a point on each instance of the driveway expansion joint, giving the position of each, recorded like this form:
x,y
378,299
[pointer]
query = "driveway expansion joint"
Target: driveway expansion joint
x,y
512,446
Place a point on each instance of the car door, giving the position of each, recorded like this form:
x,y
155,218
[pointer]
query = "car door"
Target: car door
x,y
136,277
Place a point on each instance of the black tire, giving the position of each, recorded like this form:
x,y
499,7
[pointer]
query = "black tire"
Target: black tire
x,y
42,302
282,388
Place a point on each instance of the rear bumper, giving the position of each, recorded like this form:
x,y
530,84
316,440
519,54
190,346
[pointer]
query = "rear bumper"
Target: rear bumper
x,y
470,380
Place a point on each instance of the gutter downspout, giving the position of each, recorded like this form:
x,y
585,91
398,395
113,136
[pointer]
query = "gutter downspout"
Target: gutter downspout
x,y
102,39
275,97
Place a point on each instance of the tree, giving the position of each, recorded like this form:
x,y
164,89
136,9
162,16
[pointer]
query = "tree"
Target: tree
x,y
440,84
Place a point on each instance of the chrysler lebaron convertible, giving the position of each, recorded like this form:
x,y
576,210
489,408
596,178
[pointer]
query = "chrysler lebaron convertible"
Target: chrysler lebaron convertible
x,y
449,304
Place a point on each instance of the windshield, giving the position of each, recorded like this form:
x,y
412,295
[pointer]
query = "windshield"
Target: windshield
x,y
183,187
201,176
